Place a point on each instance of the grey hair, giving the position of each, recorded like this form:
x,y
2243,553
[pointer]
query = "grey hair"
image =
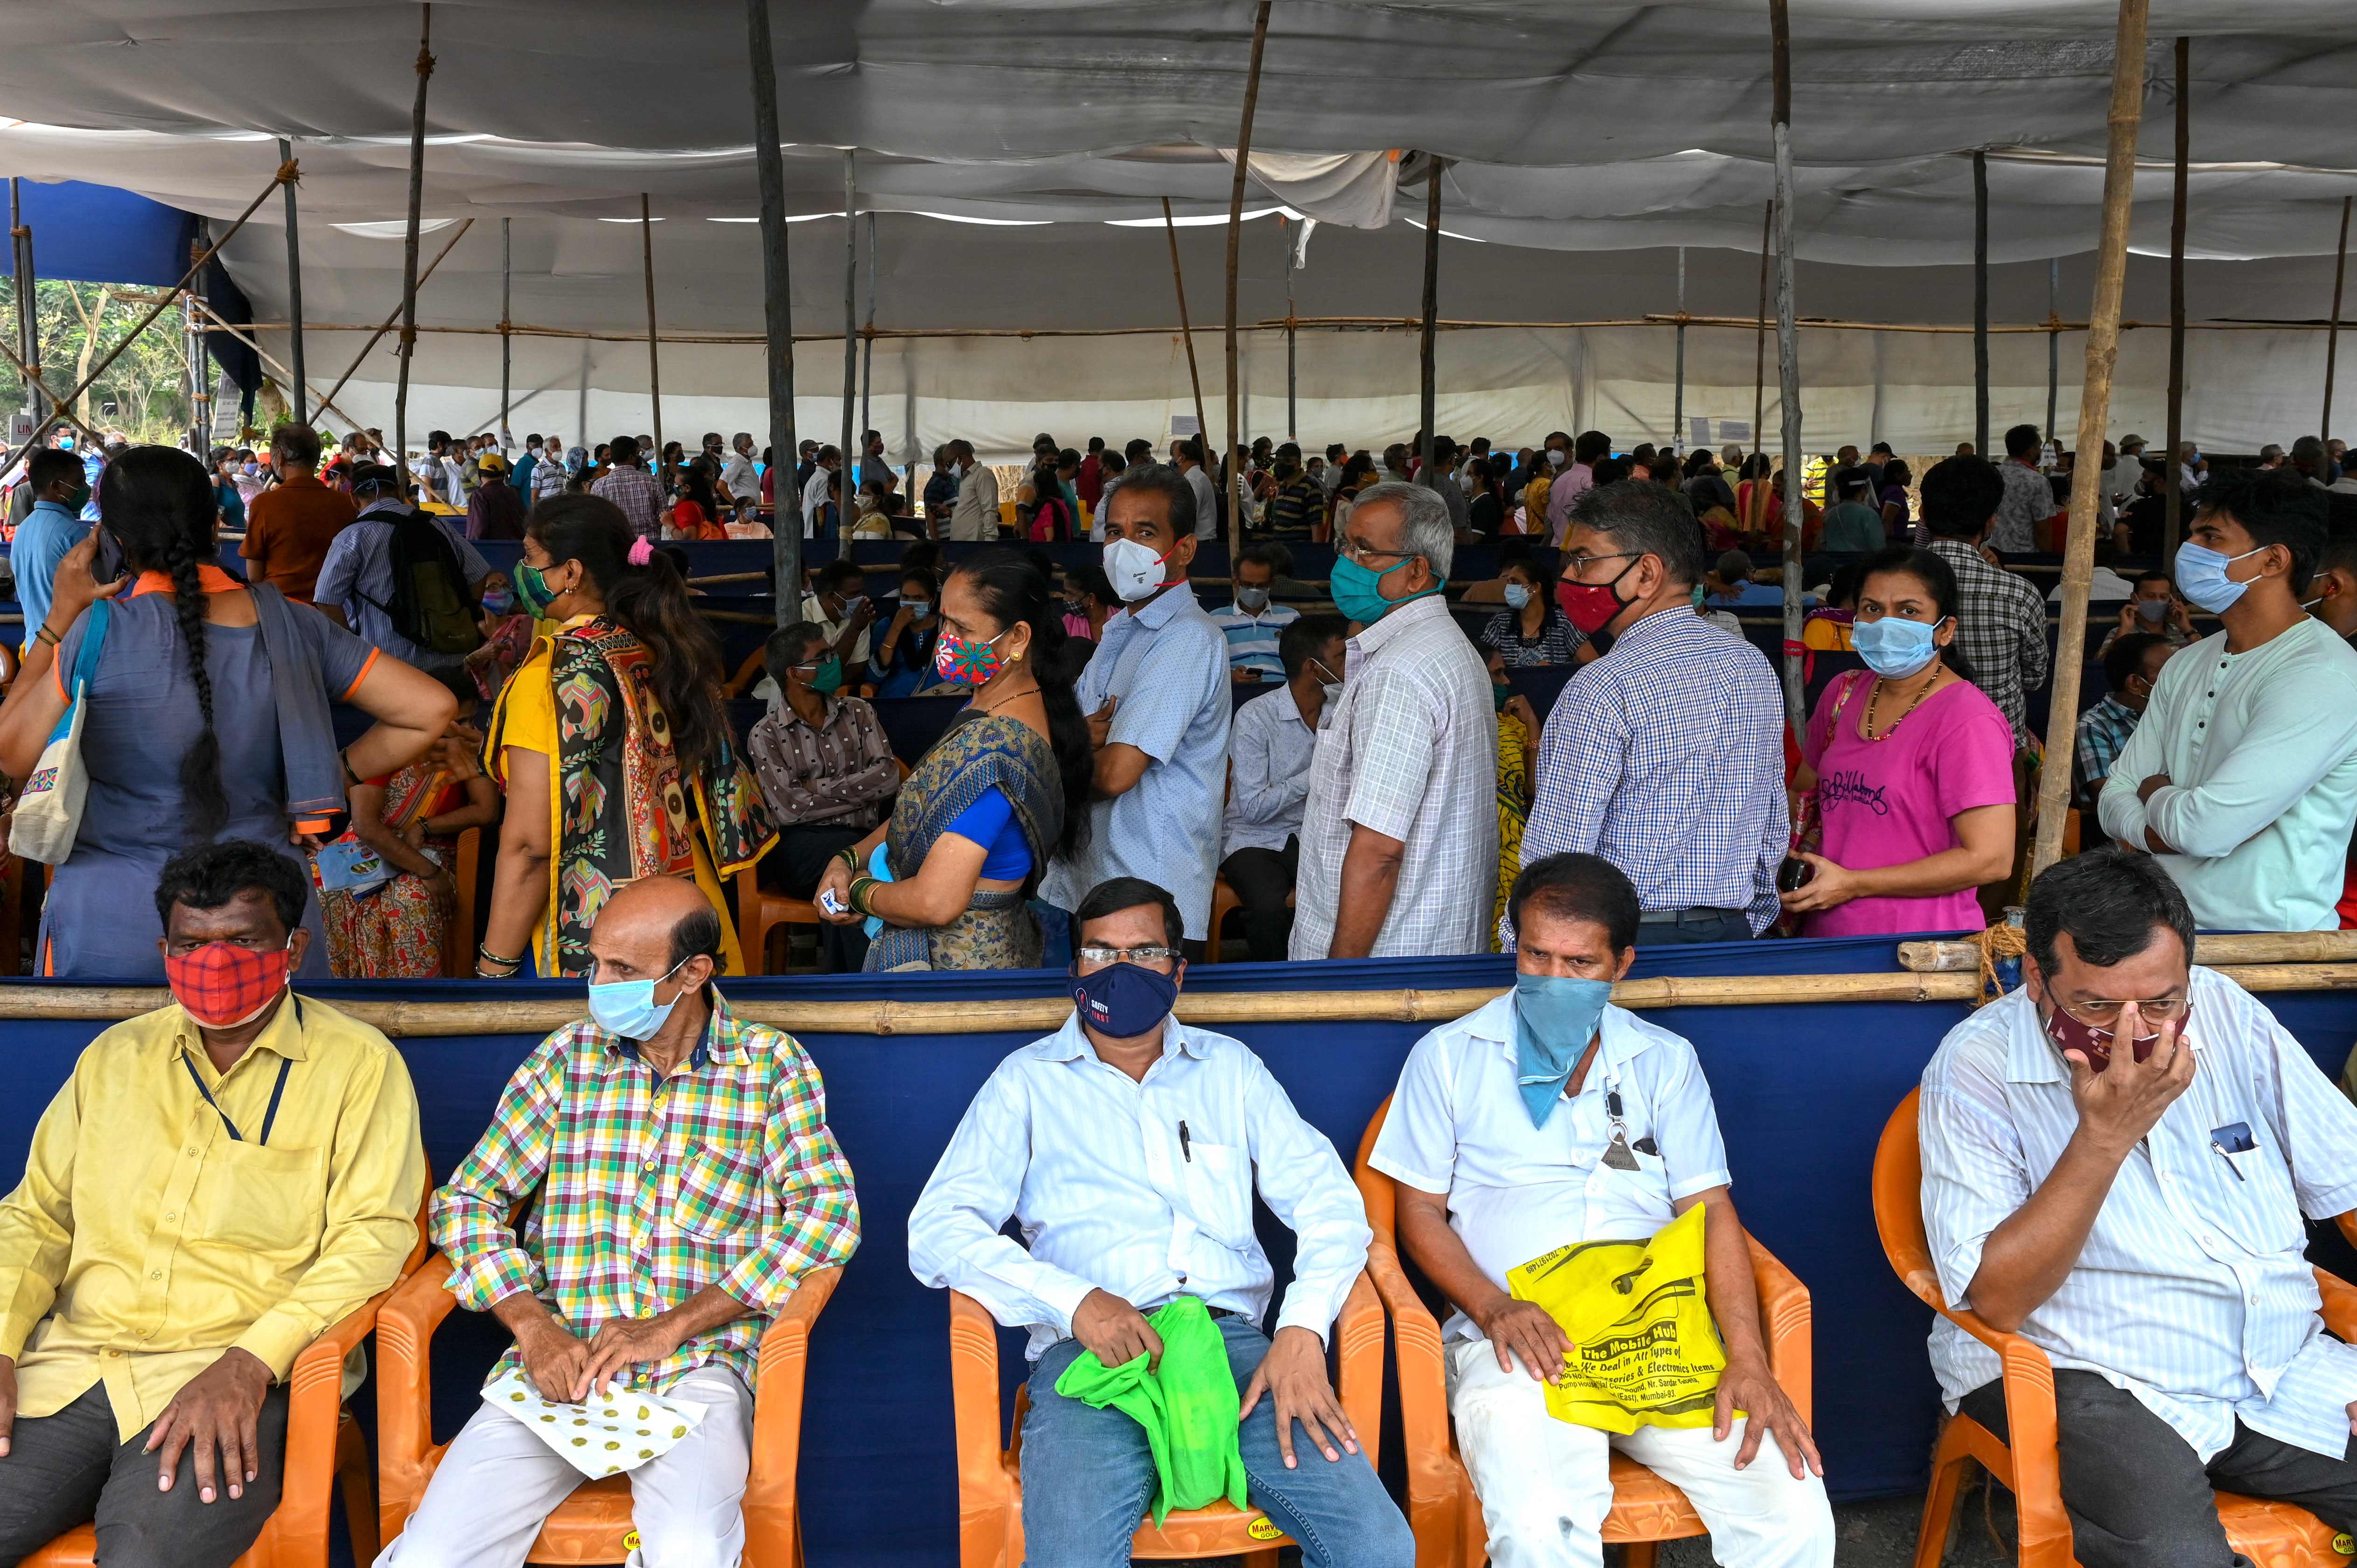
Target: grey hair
x,y
1425,527
1648,519
1158,480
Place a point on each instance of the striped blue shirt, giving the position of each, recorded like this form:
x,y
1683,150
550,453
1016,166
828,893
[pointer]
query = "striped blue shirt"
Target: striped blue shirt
x,y
2193,1292
1251,640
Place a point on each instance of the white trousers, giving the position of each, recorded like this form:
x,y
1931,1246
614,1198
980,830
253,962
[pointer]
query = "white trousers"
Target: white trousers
x,y
499,1482
1545,1484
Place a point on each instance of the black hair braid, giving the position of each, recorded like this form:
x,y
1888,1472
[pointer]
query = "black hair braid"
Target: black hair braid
x,y
200,774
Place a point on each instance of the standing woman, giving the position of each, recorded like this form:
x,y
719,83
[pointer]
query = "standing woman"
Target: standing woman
x,y
206,717
1911,765
612,745
944,883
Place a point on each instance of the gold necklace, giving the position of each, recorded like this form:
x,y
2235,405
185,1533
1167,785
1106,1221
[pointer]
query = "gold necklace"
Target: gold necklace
x,y
1874,703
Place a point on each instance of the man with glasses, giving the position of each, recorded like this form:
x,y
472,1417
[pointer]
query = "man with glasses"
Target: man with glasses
x,y
1128,1147
1666,755
2116,1159
1399,851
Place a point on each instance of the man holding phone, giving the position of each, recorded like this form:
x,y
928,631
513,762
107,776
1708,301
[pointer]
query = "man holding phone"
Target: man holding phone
x,y
2116,1158
839,607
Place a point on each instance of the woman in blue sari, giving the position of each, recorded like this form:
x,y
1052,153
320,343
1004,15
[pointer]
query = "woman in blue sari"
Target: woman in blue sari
x,y
944,884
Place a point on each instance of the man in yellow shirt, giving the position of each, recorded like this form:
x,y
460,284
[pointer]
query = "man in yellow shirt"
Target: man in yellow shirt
x,y
220,1180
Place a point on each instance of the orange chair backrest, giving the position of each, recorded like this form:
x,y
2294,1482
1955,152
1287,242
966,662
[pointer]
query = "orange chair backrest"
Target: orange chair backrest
x,y
1898,1201
1374,1187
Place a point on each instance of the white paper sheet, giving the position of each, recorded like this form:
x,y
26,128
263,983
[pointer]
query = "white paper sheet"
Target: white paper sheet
x,y
605,1434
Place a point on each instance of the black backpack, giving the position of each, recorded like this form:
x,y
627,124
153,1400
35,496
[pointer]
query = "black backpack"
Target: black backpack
x,y
432,606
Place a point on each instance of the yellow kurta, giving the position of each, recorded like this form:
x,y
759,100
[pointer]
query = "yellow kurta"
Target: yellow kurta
x,y
145,1241
528,722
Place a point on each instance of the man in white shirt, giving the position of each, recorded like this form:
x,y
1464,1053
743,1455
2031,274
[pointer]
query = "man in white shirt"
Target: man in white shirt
x,y
2137,1215
815,490
737,475
1271,744
2243,775
1128,1146
1188,456
975,514
1550,1117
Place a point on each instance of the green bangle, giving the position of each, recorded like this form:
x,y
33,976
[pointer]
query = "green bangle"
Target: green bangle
x,y
849,855
856,896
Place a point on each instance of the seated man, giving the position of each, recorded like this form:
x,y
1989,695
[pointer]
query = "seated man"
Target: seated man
x,y
1251,624
2137,1216
222,1179
1269,750
1127,1151
686,1182
1550,1117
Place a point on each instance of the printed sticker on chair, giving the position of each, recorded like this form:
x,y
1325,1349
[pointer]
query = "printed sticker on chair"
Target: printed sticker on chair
x,y
605,1434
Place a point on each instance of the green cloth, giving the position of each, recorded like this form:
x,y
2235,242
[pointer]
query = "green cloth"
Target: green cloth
x,y
1188,1405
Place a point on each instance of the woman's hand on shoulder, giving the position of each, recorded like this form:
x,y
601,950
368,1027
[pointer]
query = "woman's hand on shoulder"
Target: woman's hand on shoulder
x,y
76,586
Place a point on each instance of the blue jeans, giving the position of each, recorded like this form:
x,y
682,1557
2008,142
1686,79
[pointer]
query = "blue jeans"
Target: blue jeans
x,y
1088,1478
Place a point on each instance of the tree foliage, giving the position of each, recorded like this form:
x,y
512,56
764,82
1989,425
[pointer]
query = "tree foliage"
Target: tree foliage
x,y
79,324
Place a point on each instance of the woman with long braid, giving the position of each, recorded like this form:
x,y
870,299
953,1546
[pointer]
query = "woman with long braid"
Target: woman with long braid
x,y
207,716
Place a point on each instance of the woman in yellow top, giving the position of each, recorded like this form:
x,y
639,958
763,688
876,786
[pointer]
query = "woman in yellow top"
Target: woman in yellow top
x,y
612,743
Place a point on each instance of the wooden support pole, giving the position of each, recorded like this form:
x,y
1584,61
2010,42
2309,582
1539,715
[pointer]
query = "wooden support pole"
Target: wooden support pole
x,y
409,244
28,313
393,318
2094,412
2332,332
507,307
777,314
1228,463
845,510
2053,346
1788,362
1428,373
294,393
1980,304
868,353
654,348
1292,342
215,324
2174,529
1678,398
1759,358
1185,332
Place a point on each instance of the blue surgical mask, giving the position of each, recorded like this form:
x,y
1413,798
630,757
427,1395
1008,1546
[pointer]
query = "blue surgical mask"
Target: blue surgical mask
x,y
1518,596
1555,1017
917,609
2201,577
498,601
1894,647
2154,610
628,1007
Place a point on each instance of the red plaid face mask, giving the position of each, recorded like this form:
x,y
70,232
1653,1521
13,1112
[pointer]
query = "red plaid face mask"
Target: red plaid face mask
x,y
222,984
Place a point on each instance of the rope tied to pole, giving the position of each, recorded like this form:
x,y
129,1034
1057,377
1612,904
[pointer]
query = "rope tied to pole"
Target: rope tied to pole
x,y
290,172
424,61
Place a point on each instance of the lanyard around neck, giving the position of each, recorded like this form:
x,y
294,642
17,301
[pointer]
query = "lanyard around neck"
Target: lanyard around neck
x,y
269,1117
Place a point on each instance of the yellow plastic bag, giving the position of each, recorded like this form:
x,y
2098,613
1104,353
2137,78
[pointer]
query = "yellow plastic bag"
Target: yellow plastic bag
x,y
1644,1351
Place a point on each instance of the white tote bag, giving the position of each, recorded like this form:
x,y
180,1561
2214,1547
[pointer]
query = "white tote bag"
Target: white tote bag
x,y
49,808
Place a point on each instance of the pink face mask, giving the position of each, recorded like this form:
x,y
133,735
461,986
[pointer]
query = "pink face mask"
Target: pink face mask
x,y
2069,1033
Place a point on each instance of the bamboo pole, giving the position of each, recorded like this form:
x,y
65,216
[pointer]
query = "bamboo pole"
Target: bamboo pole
x,y
28,314
654,348
507,311
845,510
1292,344
37,388
1678,398
2094,411
2174,528
409,247
2053,345
1788,361
1228,466
377,334
206,313
777,309
1980,304
868,353
1427,372
2332,333
1760,355
2258,946
201,386
1185,332
293,293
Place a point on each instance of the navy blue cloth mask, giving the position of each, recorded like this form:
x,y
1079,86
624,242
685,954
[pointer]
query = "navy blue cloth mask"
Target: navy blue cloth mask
x,y
1124,1000
1555,1017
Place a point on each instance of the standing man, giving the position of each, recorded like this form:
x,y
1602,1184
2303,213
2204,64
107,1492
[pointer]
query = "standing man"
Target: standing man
x,y
220,1181
1296,507
1399,855
1666,755
740,477
551,475
629,486
2000,619
824,467
2029,496
520,476
355,586
1155,692
290,526
1270,750
1089,483
51,529
1188,456
940,494
975,515
1128,1147
2242,777
2137,1216
1574,480
1440,478
1252,623
683,1182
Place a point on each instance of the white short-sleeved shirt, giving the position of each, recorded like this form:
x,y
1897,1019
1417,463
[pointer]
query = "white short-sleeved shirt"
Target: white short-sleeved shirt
x,y
1458,1125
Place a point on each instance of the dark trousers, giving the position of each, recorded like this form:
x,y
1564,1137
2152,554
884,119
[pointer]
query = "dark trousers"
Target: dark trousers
x,y
1695,926
800,859
70,1468
1262,879
2139,1498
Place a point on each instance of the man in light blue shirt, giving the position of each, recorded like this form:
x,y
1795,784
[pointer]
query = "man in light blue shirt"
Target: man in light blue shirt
x,y
1155,692
1251,624
52,528
2137,1215
356,578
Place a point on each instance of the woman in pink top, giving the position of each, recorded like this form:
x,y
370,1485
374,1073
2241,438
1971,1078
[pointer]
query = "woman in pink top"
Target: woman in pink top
x,y
1912,767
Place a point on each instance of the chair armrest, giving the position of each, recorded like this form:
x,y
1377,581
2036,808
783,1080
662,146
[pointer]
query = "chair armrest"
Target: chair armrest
x,y
1429,1451
315,1411
404,1387
2340,1305
1359,1357
1786,1319
770,1505
982,1481
2029,1429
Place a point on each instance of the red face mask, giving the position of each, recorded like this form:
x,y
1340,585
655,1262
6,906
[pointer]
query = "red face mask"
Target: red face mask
x,y
1590,606
222,984
2071,1035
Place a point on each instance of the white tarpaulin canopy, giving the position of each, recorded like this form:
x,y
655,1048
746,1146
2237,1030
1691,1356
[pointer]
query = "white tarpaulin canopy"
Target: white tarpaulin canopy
x,y
1613,128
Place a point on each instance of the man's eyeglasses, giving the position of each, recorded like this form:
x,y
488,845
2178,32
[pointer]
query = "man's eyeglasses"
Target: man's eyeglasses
x,y
1351,550
1101,956
2102,1014
1576,567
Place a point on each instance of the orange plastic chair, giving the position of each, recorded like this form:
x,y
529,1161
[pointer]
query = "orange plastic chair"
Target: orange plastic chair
x,y
761,912
458,936
325,1451
990,1479
2271,1534
589,1526
1442,1509
1224,903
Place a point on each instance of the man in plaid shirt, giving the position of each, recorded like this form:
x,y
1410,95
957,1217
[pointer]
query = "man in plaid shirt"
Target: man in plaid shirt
x,y
687,1182
630,487
2131,665
2000,619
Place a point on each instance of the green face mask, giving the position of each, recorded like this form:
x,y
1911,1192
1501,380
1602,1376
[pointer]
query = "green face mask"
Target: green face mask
x,y
1499,696
532,595
829,677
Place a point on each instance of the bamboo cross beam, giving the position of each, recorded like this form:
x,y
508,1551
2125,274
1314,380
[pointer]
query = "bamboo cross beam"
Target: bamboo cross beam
x,y
392,316
2258,946
1185,332
33,380
216,323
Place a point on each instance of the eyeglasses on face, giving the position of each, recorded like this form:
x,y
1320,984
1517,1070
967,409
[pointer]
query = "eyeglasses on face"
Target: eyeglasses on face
x,y
2102,1015
1100,957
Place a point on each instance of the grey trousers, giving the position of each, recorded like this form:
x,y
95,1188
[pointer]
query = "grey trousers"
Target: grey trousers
x,y
2137,1495
70,1468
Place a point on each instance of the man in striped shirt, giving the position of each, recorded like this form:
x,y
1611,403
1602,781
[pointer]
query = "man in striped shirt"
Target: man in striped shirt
x,y
1251,624
2137,1215
687,1182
